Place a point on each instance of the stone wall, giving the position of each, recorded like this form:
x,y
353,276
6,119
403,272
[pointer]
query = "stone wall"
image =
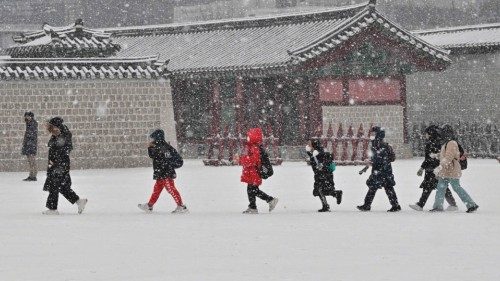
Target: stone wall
x,y
388,116
110,119
468,91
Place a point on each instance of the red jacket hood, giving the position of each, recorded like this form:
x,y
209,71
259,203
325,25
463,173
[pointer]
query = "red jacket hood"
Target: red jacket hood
x,y
255,136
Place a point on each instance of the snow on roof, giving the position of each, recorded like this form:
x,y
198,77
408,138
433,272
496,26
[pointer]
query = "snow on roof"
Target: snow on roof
x,y
472,36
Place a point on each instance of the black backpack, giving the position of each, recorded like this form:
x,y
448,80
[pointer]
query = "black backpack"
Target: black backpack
x,y
463,158
390,153
266,168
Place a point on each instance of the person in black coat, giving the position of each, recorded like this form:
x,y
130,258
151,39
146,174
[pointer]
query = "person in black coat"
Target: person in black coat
x,y
381,175
30,144
431,162
58,177
165,160
323,174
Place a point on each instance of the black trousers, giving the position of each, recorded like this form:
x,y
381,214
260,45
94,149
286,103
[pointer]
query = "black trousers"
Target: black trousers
x,y
253,191
324,189
428,185
427,192
61,185
391,194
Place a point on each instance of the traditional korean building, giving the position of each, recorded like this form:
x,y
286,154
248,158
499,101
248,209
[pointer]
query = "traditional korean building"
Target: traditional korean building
x,y
110,103
295,74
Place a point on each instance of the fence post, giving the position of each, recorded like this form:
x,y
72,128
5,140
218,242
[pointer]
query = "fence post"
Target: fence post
x,y
355,142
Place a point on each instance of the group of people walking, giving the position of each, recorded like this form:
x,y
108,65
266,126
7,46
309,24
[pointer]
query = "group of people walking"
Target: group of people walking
x,y
443,164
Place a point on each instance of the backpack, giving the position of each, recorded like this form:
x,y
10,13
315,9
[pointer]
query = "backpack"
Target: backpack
x,y
175,160
266,168
330,166
463,158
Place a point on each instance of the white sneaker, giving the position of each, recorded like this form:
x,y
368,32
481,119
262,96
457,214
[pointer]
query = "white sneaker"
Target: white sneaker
x,y
251,211
452,208
81,205
416,207
145,207
180,210
273,203
50,212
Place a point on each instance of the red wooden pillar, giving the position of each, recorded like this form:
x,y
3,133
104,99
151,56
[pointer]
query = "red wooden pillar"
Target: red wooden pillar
x,y
215,108
278,103
239,100
179,88
315,110
302,103
404,104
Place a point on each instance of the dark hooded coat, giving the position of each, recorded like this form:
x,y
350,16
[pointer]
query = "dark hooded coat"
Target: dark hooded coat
x,y
381,159
165,157
433,146
323,178
59,162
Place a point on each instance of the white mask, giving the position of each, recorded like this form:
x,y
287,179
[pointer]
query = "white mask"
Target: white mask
x,y
372,137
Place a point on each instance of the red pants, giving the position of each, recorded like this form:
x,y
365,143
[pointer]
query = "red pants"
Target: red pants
x,y
169,185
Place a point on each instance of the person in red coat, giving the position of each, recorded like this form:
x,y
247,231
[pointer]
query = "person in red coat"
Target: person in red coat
x,y
251,171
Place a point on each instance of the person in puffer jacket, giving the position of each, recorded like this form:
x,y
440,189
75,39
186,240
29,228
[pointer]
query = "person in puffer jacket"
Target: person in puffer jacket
x,y
323,176
165,160
251,171
431,161
382,175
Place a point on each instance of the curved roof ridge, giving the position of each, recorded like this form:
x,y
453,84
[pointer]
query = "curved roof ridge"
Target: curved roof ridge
x,y
240,22
457,28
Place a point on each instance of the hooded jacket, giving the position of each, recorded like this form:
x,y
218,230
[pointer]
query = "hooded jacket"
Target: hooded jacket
x,y
165,158
433,146
320,168
60,147
251,161
381,175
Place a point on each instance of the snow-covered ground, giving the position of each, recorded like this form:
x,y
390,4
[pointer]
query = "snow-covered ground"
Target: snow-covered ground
x,y
113,240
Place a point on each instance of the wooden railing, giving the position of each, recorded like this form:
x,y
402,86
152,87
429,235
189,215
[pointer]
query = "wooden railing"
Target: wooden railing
x,y
225,145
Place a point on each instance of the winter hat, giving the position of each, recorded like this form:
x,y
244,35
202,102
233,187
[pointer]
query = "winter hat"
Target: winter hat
x,y
316,144
448,133
433,131
57,122
30,114
158,135
379,132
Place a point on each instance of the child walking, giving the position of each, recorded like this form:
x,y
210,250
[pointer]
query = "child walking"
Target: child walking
x,y
251,163
323,167
165,160
381,176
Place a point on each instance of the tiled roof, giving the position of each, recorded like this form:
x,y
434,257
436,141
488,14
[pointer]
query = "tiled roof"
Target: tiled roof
x,y
266,43
70,41
85,68
485,35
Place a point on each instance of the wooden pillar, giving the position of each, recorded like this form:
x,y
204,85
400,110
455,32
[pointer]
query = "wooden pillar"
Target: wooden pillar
x,y
278,103
405,108
316,110
239,101
215,108
302,110
179,88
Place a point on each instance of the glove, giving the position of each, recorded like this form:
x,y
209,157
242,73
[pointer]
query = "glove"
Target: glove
x,y
420,172
308,148
315,153
437,170
434,155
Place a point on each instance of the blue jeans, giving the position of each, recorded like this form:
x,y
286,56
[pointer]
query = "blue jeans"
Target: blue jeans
x,y
455,184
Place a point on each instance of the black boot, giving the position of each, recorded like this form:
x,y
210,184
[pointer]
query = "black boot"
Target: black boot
x,y
396,208
325,208
338,195
30,179
364,208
